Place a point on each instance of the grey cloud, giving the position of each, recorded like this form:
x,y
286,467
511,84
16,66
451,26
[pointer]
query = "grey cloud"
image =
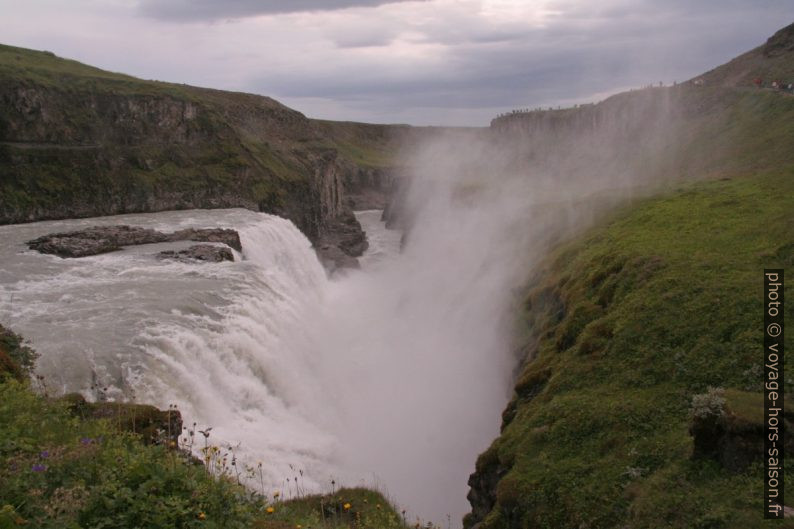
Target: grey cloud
x,y
209,10
362,41
542,67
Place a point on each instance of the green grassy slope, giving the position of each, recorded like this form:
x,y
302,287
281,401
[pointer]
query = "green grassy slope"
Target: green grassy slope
x,y
632,320
625,325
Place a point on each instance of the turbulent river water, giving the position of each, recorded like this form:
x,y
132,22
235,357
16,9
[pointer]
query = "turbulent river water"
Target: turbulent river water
x,y
354,379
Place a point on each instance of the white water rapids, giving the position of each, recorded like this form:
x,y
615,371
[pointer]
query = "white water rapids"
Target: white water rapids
x,y
377,377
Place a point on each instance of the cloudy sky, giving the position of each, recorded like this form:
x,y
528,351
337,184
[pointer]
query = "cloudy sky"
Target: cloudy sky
x,y
451,62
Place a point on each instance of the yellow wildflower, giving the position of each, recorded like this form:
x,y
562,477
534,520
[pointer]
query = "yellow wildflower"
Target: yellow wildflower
x,y
202,516
270,510
346,506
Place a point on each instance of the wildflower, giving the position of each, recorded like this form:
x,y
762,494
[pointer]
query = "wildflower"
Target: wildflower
x,y
202,516
44,454
86,441
39,467
346,506
270,510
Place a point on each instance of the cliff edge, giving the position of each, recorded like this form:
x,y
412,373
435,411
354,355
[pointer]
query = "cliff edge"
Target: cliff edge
x,y
77,141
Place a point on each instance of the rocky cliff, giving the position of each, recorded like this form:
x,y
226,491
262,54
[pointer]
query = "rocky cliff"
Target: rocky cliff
x,y
76,141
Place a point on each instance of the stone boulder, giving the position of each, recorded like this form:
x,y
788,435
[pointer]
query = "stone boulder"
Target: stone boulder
x,y
199,252
335,260
227,236
103,239
95,240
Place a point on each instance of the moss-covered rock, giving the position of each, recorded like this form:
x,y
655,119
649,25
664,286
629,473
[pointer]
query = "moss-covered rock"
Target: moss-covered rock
x,y
155,426
728,427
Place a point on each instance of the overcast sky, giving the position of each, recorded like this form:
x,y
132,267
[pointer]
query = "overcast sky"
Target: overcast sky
x,y
446,62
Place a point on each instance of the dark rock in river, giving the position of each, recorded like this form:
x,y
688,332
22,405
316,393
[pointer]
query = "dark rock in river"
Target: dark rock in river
x,y
199,252
94,240
342,243
334,259
102,239
229,237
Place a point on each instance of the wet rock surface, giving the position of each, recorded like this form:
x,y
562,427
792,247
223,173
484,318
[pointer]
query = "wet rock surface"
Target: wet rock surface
x,y
343,242
103,239
199,252
334,260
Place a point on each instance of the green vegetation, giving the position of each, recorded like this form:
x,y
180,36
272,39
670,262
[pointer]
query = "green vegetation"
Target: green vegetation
x,y
64,466
59,471
356,507
632,321
16,359
367,146
77,141
640,404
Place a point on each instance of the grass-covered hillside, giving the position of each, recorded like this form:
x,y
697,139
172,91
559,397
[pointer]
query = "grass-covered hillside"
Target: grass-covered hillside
x,y
63,465
78,141
629,323
641,327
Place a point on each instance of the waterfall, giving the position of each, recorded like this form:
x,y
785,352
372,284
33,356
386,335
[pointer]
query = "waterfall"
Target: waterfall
x,y
216,339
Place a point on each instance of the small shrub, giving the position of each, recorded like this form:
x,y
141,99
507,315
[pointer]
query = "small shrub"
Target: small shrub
x,y
13,348
709,405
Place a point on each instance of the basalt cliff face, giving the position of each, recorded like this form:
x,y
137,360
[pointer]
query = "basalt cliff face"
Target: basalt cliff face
x,y
76,141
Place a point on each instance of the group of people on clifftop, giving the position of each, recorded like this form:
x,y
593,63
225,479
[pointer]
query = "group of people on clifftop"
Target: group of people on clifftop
x,y
774,85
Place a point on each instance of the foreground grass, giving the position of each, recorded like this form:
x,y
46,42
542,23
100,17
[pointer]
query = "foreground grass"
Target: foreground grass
x,y
628,323
58,470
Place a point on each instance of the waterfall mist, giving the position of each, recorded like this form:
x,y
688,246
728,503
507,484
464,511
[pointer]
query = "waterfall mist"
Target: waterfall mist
x,y
419,353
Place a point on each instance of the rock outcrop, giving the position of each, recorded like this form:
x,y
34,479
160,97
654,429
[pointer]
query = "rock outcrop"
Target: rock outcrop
x,y
727,426
155,426
103,239
199,252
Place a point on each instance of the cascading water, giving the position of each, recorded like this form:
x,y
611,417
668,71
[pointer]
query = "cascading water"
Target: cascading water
x,y
393,376
212,338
